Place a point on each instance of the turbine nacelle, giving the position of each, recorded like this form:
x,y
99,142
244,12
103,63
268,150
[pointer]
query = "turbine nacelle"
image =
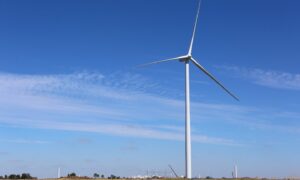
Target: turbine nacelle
x,y
185,58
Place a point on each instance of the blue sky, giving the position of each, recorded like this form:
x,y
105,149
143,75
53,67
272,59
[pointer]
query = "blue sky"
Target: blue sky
x,y
71,97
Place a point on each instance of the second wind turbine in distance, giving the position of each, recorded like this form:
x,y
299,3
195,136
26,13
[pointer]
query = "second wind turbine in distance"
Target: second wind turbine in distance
x,y
186,59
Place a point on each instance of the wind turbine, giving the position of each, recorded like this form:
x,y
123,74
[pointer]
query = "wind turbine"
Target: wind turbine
x,y
187,59
58,173
235,172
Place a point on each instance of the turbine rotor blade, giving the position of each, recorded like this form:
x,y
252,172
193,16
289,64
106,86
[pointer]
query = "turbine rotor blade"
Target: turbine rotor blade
x,y
194,31
213,78
157,62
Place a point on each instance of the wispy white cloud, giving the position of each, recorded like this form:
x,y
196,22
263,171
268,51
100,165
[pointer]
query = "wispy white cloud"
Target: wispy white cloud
x,y
3,153
90,102
112,105
269,78
23,141
127,130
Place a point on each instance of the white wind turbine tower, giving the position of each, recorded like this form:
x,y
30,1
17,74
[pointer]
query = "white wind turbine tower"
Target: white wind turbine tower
x,y
58,173
235,172
187,59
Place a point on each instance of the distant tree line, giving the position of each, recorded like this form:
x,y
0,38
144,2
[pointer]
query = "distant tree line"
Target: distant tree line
x,y
72,174
113,177
96,175
18,176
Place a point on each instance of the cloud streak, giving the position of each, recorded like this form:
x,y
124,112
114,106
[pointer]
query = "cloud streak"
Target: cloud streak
x,y
88,102
268,78
126,130
118,106
23,141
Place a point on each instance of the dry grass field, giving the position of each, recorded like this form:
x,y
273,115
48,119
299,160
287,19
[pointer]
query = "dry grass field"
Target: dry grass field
x,y
85,178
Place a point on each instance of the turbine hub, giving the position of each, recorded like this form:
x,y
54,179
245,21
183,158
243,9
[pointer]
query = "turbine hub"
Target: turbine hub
x,y
185,58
